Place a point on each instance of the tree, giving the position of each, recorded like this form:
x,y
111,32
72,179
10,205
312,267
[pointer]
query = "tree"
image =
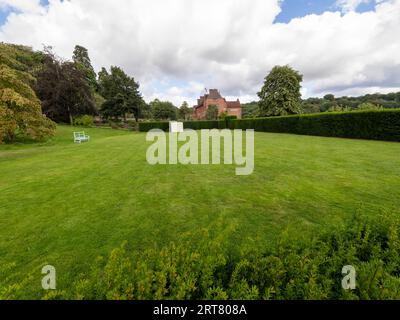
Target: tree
x,y
369,106
121,93
63,90
212,112
280,94
185,112
163,110
82,61
145,111
329,97
20,111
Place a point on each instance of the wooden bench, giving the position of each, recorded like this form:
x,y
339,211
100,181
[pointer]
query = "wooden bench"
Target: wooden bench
x,y
80,137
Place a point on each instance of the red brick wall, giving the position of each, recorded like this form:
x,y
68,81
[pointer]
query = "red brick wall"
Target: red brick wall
x,y
200,113
235,112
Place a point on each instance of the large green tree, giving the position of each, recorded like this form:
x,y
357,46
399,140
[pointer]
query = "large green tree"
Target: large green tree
x,y
20,110
82,60
121,93
163,110
280,94
63,90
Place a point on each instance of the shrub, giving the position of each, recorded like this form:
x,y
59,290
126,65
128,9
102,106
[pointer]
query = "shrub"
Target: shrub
x,y
228,118
131,125
374,125
84,121
20,110
307,269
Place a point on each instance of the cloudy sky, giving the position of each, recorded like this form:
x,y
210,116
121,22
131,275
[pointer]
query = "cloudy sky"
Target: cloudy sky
x,y
177,48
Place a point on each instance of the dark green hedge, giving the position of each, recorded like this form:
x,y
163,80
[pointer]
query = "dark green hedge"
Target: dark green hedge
x,y
195,125
147,126
374,125
208,124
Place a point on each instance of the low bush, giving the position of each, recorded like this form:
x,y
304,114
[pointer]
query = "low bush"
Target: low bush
x,y
206,269
290,271
372,124
84,121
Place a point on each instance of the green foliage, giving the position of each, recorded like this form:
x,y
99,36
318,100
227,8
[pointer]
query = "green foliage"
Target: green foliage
x,y
185,112
280,94
98,101
212,112
63,89
147,126
374,125
316,105
338,108
121,93
250,110
307,269
369,106
84,121
20,111
206,124
226,117
329,97
229,118
163,110
82,61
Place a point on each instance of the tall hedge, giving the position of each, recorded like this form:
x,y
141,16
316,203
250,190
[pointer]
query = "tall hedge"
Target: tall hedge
x,y
209,124
373,125
147,126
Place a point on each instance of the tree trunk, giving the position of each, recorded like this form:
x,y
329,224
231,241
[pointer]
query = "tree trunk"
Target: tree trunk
x,y
71,120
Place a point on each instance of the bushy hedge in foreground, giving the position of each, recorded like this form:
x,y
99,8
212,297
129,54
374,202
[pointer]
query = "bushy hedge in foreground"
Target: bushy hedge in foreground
x,y
375,125
307,269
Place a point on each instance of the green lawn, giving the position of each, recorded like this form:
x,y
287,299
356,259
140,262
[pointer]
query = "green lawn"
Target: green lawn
x,y
65,204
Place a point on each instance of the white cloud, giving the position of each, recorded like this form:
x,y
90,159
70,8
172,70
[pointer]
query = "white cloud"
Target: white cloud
x,y
175,48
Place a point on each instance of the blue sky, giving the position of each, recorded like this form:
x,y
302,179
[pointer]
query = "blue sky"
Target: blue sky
x,y
300,8
3,15
6,11
290,9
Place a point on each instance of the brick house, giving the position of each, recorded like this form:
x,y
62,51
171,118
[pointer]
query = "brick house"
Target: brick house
x,y
213,97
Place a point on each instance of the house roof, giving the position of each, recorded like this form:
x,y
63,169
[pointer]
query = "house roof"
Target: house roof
x,y
233,104
214,94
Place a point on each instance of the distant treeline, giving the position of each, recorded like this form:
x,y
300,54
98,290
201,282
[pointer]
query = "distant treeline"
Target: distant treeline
x,y
330,103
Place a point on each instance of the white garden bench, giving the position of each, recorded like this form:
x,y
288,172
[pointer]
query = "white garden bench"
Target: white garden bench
x,y
80,137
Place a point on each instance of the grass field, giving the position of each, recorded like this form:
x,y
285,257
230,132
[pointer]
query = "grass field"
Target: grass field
x,y
65,204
